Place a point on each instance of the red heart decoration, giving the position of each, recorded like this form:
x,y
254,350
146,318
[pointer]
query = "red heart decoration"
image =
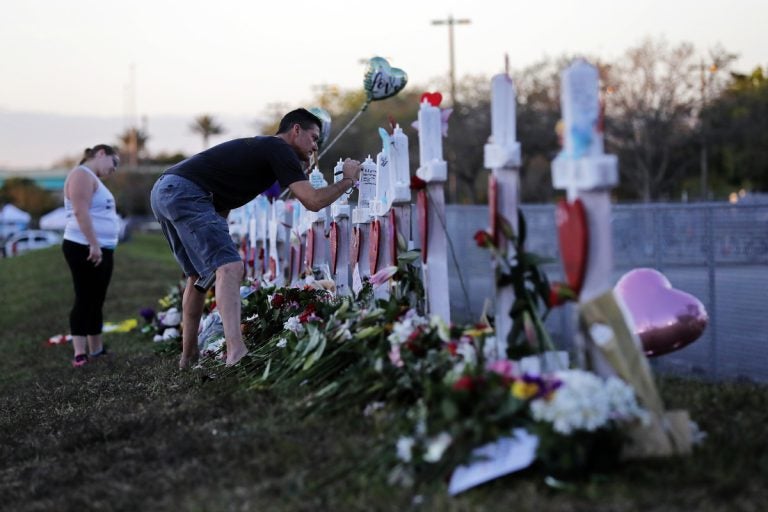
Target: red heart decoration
x,y
392,237
292,263
433,98
573,235
309,255
665,319
373,245
493,208
354,246
422,208
334,243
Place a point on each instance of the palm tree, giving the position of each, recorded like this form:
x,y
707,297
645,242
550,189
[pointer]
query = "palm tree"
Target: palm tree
x,y
132,142
206,126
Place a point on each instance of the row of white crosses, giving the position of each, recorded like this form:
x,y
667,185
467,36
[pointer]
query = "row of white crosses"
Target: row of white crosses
x,y
356,242
582,169
384,208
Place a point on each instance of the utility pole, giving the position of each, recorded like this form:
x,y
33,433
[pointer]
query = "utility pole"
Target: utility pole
x,y
450,21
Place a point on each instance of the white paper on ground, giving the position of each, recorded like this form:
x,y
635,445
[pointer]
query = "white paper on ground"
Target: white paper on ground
x,y
357,280
504,456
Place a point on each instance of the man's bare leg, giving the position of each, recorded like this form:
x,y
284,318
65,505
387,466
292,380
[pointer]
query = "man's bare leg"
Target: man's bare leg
x,y
192,310
228,279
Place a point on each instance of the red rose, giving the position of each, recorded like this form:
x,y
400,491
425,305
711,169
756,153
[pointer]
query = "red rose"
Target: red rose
x,y
483,239
559,294
417,183
277,300
465,383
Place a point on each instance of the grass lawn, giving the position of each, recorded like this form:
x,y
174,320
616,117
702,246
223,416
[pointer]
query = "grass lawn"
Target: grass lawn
x,y
133,433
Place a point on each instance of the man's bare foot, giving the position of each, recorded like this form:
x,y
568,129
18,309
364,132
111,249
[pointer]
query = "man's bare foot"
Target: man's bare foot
x,y
234,356
186,361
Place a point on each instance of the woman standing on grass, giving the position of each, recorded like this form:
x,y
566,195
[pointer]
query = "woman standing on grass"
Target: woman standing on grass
x,y
90,238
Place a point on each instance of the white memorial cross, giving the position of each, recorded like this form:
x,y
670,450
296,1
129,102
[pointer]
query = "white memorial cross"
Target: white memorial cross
x,y
296,256
587,173
276,253
361,222
258,235
315,246
338,254
381,231
433,170
502,157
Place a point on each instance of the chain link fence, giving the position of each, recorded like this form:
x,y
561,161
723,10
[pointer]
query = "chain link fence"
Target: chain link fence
x,y
717,252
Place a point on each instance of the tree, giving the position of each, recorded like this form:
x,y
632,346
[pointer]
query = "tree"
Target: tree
x,y
27,195
651,98
738,132
132,143
206,126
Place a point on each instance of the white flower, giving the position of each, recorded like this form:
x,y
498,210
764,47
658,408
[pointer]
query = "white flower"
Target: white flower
x,y
436,446
293,324
467,351
170,334
585,402
372,407
214,347
405,448
402,329
170,318
282,343
443,329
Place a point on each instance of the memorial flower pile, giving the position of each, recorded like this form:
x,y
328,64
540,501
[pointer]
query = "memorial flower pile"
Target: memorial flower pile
x,y
437,388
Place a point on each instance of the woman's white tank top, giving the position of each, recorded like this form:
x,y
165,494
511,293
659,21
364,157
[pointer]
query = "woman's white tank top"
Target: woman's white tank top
x,y
106,224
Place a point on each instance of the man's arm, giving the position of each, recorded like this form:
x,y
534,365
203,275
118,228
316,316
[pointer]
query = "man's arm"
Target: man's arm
x,y
316,199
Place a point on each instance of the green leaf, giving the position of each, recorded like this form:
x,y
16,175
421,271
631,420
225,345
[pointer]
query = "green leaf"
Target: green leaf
x,y
265,375
315,355
409,256
522,229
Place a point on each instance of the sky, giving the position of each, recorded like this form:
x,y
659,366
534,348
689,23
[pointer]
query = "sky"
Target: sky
x,y
76,73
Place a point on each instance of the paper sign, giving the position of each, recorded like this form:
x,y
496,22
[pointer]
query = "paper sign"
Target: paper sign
x,y
507,455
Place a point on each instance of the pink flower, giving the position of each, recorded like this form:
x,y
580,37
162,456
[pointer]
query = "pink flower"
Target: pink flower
x,y
383,275
503,367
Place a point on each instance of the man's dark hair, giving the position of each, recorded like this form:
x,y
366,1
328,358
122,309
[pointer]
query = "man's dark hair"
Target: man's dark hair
x,y
300,116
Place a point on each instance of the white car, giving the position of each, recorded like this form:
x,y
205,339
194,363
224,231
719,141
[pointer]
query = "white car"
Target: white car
x,y
29,240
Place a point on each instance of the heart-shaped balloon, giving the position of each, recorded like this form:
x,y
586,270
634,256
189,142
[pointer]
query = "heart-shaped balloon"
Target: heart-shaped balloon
x,y
573,235
381,80
325,119
433,98
665,319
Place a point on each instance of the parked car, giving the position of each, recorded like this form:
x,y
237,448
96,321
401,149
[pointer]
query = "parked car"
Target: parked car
x,y
30,240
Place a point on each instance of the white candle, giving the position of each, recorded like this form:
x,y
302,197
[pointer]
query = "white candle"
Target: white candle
x,y
316,179
367,188
430,135
383,169
338,175
399,157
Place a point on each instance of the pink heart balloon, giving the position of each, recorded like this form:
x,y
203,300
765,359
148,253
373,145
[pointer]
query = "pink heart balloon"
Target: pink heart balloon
x,y
665,319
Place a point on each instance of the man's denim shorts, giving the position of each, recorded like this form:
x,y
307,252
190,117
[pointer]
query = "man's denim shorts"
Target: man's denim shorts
x,y
198,236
